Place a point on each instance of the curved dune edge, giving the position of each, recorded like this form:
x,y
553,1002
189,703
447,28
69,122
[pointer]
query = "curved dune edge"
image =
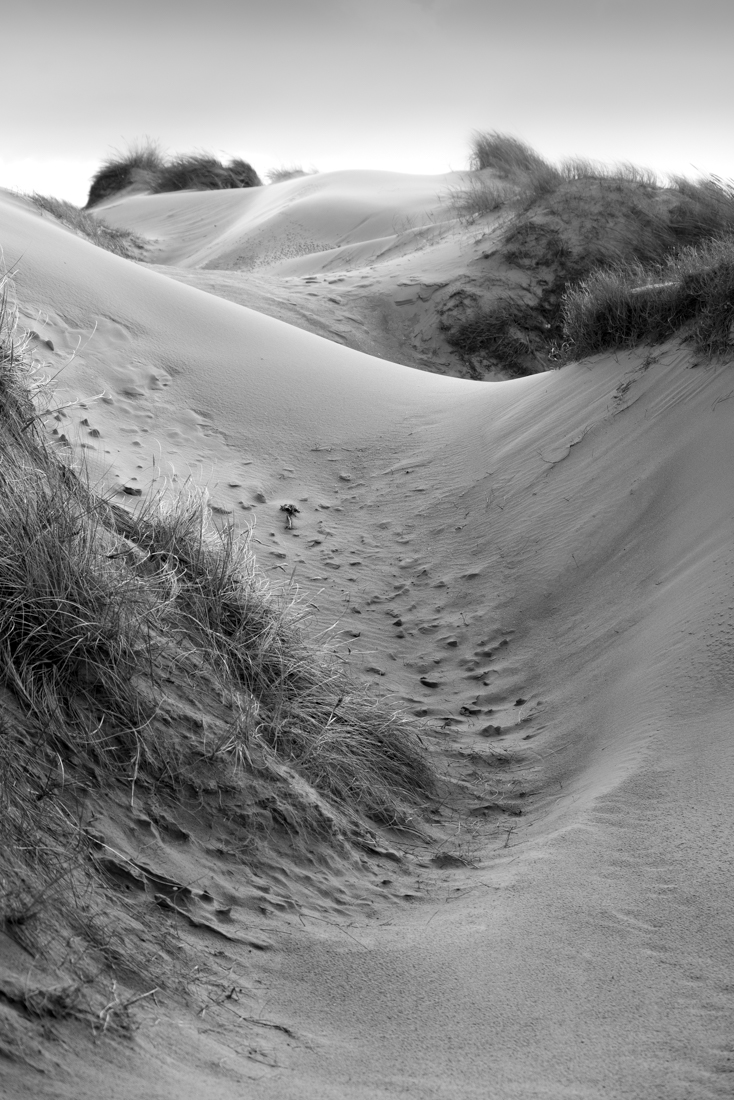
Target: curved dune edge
x,y
583,517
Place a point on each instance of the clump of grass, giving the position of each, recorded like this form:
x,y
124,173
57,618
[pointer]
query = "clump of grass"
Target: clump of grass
x,y
691,293
705,208
516,163
507,156
580,168
242,174
479,197
148,169
122,242
280,175
511,172
139,165
73,623
203,172
66,703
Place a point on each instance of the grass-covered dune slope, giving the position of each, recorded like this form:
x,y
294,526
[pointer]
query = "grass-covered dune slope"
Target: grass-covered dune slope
x,y
607,257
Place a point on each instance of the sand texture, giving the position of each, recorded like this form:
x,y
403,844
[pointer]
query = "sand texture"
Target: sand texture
x,y
542,567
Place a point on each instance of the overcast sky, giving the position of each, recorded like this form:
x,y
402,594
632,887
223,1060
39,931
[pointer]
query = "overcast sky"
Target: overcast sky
x,y
392,84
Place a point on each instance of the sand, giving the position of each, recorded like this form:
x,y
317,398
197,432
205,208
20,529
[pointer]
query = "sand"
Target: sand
x,y
551,556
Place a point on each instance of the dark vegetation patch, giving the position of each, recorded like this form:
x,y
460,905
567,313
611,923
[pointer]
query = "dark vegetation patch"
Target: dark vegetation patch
x,y
201,172
505,334
139,166
577,239
145,168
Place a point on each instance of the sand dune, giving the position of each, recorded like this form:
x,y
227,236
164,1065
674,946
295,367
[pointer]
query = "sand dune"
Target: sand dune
x,y
371,260
276,226
542,567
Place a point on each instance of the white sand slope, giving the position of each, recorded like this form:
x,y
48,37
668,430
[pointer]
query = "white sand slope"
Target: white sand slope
x,y
553,557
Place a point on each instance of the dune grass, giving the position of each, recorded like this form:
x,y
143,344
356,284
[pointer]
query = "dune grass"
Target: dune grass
x,y
525,174
140,164
122,242
705,208
280,175
480,196
506,155
504,333
692,294
203,172
527,178
581,168
146,167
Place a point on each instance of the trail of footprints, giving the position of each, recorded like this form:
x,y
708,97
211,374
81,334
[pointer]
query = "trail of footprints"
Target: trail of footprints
x,y
427,653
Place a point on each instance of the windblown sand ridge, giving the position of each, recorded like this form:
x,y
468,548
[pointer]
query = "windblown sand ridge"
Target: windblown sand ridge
x,y
543,568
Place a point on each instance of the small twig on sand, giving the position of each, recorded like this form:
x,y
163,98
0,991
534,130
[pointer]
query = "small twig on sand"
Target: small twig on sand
x,y
290,511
